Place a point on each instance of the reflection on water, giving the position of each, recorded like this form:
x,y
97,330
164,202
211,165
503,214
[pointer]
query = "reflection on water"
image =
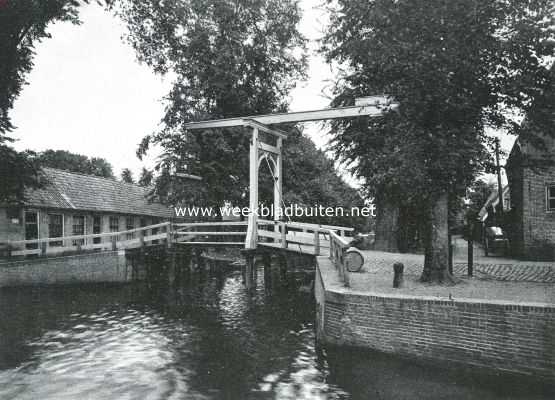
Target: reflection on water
x,y
210,340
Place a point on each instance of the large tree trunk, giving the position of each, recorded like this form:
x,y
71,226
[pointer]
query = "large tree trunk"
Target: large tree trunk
x,y
386,226
436,258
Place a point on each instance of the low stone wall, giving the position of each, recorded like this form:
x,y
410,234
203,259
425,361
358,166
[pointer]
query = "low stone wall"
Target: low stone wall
x,y
83,268
512,337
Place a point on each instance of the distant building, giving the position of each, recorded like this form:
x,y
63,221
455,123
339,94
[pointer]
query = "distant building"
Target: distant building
x,y
76,204
532,192
487,214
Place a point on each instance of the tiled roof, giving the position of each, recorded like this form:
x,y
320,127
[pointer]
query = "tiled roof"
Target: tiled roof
x,y
69,190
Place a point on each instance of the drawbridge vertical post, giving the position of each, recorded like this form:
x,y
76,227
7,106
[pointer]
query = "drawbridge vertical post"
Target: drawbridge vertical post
x,y
252,229
278,185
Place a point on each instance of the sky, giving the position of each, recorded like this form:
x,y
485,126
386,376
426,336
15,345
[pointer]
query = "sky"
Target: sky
x,y
87,94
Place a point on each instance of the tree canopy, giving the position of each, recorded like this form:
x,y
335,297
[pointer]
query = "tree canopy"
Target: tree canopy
x,y
62,159
127,176
146,178
229,58
456,68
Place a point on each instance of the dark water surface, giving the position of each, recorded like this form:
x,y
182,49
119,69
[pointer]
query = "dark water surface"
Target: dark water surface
x,y
209,341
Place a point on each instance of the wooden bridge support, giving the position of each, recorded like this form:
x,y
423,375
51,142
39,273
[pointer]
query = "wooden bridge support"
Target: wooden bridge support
x,y
249,271
267,264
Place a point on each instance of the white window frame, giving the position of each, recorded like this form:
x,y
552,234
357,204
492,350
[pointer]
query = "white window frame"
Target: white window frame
x,y
48,214
547,197
84,228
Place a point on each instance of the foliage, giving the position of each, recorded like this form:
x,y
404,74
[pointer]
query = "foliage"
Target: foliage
x,y
146,177
18,170
127,176
62,159
23,24
310,179
455,67
229,58
537,130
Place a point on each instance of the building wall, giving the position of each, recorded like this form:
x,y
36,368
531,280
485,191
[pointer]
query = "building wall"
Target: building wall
x,y
16,231
538,223
517,338
515,230
8,229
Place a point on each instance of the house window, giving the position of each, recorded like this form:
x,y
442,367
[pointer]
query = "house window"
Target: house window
x,y
97,228
155,230
55,228
551,198
31,228
114,224
78,229
129,225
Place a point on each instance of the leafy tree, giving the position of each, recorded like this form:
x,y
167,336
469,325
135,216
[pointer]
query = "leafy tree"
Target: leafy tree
x,y
23,24
230,58
62,159
146,177
310,179
18,170
455,67
127,176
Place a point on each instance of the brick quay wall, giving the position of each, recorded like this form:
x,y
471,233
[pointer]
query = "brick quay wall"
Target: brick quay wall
x,y
109,266
501,336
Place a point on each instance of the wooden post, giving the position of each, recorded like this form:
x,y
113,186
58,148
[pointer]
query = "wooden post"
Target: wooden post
x,y
171,268
278,184
283,235
142,238
267,270
169,236
450,252
316,242
398,269
249,273
252,228
470,244
283,267
198,259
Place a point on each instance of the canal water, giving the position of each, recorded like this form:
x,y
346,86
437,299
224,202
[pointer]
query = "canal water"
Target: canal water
x,y
210,340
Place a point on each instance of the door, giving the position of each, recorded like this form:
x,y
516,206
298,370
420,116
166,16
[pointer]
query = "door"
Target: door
x,y
31,228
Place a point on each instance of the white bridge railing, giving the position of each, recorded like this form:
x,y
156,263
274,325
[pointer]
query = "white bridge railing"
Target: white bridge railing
x,y
303,237
104,241
296,236
338,256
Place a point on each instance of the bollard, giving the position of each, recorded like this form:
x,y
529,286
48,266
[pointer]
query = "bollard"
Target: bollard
x,y
398,274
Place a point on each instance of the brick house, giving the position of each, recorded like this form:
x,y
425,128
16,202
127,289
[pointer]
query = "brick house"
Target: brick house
x,y
532,216
76,204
